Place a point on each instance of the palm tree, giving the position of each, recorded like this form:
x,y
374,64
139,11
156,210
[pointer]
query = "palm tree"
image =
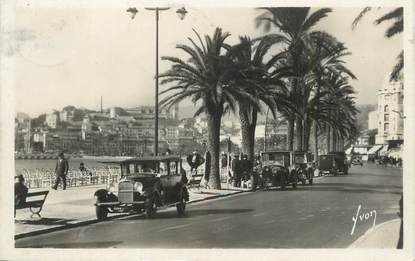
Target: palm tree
x,y
396,17
256,78
326,54
206,78
295,25
338,103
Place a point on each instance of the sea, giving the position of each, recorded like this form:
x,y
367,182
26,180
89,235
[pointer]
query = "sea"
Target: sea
x,y
51,163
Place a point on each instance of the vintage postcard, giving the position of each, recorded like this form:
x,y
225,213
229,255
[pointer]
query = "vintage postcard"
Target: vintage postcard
x,y
195,130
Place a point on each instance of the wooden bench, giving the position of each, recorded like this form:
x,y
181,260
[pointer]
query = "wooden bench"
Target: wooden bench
x,y
195,181
34,202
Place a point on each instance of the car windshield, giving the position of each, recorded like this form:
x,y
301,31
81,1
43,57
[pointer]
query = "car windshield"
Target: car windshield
x,y
276,158
299,159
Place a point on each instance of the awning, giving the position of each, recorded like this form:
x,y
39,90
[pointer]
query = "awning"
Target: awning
x,y
384,150
374,149
395,153
349,150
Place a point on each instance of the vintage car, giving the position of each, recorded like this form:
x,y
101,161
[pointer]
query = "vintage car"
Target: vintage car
x,y
146,183
357,161
333,163
277,169
304,166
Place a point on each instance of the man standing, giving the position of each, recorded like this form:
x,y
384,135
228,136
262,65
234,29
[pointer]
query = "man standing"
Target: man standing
x,y
236,169
61,171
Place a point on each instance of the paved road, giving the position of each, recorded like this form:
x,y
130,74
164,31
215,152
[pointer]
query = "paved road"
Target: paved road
x,y
309,217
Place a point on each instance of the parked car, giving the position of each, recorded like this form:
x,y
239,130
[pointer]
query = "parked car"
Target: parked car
x,y
146,184
304,166
277,169
333,163
357,161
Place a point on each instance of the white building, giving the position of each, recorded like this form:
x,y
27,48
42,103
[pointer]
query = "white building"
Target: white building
x,y
373,120
52,120
390,113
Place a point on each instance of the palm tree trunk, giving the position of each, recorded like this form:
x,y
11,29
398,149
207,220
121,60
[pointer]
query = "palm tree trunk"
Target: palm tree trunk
x,y
299,134
328,138
307,132
333,140
290,134
315,141
213,146
248,130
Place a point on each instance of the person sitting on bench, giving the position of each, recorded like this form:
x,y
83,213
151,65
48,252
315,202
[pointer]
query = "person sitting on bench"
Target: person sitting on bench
x,y
20,192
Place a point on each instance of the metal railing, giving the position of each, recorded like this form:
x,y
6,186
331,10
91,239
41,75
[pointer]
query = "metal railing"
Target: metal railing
x,y
45,178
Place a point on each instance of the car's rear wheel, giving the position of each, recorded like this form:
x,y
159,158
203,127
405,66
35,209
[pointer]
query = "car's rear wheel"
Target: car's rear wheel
x,y
101,212
151,207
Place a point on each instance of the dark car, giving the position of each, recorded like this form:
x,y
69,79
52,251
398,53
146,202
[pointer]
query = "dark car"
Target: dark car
x,y
277,169
304,166
333,164
357,161
146,184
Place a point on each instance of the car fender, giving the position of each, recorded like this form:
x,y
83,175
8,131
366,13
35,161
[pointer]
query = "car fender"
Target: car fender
x,y
101,195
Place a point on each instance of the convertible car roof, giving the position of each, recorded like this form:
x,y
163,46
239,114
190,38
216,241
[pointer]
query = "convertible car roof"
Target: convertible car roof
x,y
142,159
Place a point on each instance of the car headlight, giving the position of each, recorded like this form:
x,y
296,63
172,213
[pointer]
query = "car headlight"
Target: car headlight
x,y
138,186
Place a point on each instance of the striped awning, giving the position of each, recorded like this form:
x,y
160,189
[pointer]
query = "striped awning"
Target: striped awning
x,y
375,149
384,150
395,152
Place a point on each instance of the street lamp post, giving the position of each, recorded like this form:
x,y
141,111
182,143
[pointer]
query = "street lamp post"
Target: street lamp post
x,y
181,13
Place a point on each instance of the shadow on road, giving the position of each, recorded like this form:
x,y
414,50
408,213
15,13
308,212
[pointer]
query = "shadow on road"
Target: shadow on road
x,y
172,214
45,221
96,244
354,188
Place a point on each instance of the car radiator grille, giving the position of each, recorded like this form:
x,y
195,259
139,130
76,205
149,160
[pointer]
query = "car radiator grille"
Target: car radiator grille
x,y
125,192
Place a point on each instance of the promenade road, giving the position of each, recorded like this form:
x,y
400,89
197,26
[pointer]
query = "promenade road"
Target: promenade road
x,y
317,216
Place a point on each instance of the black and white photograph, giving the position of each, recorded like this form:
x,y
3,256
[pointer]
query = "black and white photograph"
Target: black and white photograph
x,y
195,131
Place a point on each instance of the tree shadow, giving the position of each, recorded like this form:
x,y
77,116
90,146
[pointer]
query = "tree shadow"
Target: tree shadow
x,y
354,188
45,221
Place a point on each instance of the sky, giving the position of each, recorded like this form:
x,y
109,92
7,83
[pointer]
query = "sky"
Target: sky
x,y
74,56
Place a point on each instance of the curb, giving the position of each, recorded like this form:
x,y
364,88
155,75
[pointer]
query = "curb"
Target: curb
x,y
93,221
370,231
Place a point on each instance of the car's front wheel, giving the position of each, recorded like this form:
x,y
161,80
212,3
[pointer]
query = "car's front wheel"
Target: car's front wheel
x,y
101,212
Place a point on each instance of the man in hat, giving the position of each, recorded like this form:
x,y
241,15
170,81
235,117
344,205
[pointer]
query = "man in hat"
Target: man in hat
x,y
20,191
61,171
236,171
194,160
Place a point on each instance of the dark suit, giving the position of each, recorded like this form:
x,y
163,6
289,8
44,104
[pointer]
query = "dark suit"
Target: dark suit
x,y
20,192
61,171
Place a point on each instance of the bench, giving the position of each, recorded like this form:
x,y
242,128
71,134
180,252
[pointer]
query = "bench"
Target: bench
x,y
195,180
34,202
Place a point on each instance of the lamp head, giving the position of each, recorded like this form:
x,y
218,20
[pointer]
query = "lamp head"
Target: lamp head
x,y
181,13
132,11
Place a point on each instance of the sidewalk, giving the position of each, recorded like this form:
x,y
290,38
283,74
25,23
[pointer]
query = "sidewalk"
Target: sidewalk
x,y
385,235
75,206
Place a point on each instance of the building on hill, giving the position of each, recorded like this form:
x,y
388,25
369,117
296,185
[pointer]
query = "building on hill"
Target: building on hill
x,y
52,120
147,112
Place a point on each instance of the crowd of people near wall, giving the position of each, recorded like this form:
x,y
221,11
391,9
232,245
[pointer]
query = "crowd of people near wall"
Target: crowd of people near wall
x,y
387,161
